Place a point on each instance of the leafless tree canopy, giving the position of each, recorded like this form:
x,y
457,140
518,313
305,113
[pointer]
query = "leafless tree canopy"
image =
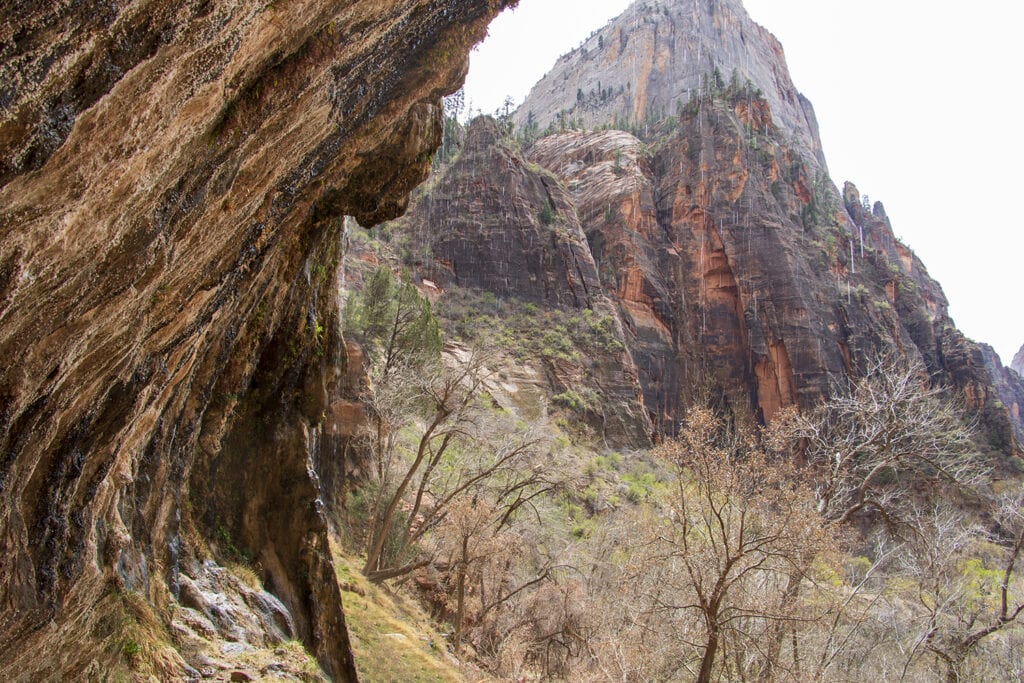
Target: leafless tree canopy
x,y
875,442
860,540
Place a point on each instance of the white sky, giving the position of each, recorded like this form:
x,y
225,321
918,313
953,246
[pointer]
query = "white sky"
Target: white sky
x,y
919,104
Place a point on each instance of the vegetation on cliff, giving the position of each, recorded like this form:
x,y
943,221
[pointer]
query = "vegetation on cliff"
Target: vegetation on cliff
x,y
803,551
205,453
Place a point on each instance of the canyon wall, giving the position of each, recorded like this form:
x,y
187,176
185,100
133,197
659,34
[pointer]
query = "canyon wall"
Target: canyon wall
x,y
492,221
173,178
739,272
1008,387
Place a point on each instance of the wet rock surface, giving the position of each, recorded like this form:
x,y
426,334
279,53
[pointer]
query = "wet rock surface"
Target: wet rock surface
x,y
172,184
219,602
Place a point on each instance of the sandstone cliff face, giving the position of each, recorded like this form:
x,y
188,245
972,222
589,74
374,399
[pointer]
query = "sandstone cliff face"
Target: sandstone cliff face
x,y
172,182
730,245
738,269
721,283
1009,387
611,186
951,358
648,63
495,223
732,255
1018,362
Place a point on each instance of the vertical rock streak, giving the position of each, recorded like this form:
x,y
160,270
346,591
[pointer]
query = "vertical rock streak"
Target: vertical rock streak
x,y
171,190
735,265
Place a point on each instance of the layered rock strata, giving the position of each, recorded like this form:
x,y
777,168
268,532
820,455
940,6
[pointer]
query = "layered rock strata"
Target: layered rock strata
x,y
496,223
172,181
740,272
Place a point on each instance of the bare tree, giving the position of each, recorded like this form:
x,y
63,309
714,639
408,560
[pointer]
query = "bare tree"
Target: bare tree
x,y
483,554
851,631
471,543
962,581
452,446
737,528
887,433
446,399
431,437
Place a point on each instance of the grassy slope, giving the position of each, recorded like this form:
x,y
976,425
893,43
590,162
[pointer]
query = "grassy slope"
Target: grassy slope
x,y
392,638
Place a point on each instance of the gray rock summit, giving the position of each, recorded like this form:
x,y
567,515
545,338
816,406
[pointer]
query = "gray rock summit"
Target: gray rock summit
x,y
1017,365
648,62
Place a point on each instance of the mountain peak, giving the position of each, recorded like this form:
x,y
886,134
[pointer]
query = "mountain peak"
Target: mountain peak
x,y
1018,362
648,62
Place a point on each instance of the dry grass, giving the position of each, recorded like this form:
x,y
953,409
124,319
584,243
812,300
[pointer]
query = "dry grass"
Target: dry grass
x,y
135,644
292,657
246,574
392,638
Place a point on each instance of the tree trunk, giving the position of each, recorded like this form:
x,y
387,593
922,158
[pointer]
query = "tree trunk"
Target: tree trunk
x,y
955,669
777,631
708,661
379,534
460,604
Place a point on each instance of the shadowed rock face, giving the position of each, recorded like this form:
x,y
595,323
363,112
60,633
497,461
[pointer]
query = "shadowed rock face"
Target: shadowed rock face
x,y
972,369
1009,388
172,182
1018,362
494,222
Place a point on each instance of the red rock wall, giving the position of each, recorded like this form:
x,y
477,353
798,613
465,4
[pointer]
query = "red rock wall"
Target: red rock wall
x,y
737,266
493,222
